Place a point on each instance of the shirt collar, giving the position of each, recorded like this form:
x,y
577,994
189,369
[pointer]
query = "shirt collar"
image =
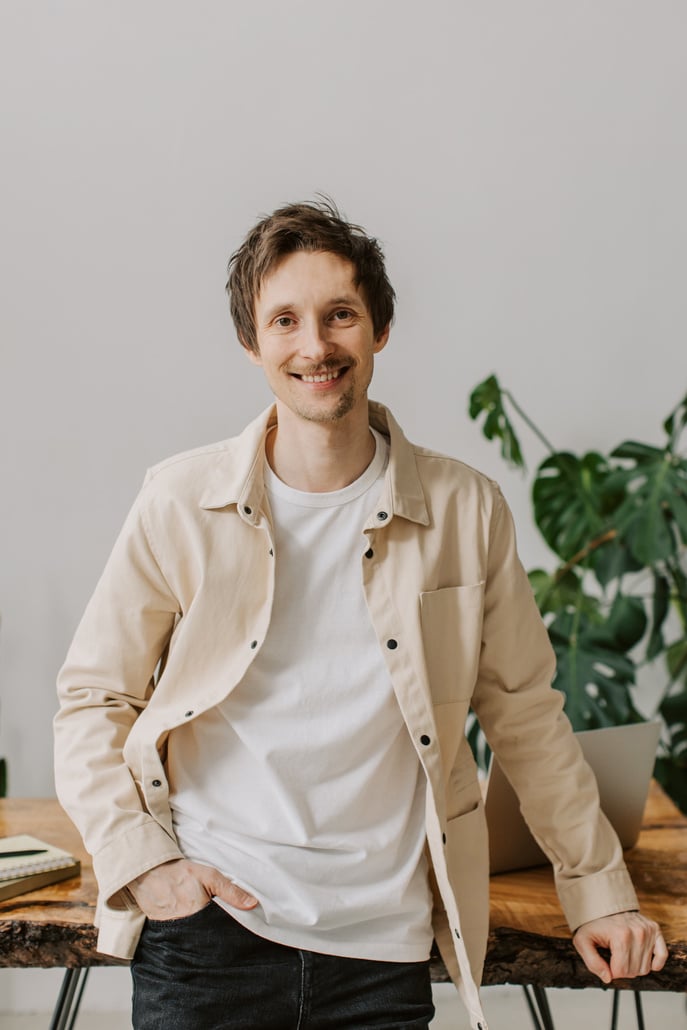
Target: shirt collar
x,y
238,475
403,494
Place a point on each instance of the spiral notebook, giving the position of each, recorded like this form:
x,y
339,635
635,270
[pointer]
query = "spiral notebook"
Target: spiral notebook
x,y
27,863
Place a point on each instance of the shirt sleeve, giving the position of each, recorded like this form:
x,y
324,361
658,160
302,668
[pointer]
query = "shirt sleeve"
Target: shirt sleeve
x,y
103,688
524,723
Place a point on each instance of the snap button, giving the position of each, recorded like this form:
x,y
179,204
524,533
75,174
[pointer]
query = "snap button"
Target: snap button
x,y
271,553
382,516
369,553
392,644
253,644
443,838
424,739
157,783
247,510
457,934
188,714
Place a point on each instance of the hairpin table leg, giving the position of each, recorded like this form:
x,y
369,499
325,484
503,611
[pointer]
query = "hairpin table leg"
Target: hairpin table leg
x,y
69,999
539,1008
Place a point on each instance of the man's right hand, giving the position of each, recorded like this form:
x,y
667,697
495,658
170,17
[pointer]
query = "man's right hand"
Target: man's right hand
x,y
181,887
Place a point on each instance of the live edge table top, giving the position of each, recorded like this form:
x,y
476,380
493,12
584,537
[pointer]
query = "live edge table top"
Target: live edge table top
x,y
529,941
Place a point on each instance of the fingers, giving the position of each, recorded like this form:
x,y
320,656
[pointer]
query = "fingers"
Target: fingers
x,y
235,896
169,891
222,887
636,944
632,946
629,957
180,888
660,953
594,962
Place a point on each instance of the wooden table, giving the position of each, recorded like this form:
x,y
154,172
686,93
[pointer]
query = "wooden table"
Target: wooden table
x,y
529,942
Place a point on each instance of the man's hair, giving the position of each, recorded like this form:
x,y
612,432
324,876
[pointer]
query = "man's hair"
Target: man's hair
x,y
310,226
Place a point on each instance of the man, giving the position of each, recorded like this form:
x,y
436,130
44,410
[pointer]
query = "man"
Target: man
x,y
261,734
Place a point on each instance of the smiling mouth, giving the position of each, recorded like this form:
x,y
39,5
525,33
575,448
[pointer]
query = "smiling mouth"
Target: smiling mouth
x,y
321,377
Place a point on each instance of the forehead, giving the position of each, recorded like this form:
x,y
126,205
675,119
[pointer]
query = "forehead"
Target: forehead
x,y
308,276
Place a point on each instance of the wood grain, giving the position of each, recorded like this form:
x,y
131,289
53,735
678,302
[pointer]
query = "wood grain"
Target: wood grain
x,y
52,926
529,941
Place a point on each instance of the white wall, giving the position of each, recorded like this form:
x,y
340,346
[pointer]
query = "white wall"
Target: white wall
x,y
523,163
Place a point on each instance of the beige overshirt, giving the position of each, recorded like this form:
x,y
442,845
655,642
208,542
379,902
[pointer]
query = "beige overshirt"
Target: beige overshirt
x,y
180,613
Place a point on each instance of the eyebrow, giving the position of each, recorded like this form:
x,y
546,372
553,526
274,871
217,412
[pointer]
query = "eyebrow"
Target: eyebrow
x,y
348,300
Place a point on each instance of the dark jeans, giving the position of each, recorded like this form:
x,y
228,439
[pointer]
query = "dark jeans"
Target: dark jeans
x,y
207,972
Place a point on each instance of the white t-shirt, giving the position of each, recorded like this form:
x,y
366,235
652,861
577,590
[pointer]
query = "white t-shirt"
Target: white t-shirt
x,y
303,786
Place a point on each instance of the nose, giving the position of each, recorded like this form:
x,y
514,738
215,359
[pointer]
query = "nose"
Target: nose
x,y
313,343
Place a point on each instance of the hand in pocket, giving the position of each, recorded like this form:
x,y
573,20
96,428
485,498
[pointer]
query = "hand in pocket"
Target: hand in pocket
x,y
181,887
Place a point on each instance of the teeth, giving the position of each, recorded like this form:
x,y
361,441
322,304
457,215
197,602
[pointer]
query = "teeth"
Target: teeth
x,y
323,378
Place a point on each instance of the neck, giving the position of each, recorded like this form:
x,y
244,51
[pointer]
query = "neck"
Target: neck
x,y
320,457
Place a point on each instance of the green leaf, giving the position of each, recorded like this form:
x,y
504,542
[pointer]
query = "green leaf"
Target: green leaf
x,y
659,611
674,711
571,504
648,535
680,582
627,621
671,772
676,659
678,509
556,593
676,422
593,670
671,769
653,514
487,398
612,560
481,751
639,452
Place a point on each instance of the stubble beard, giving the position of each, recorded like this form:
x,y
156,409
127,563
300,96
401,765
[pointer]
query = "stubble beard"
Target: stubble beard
x,y
345,405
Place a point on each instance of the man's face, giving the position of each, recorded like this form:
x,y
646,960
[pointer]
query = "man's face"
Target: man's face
x,y
316,343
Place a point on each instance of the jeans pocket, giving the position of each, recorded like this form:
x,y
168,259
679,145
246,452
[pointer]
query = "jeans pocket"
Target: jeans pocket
x,y
182,922
189,942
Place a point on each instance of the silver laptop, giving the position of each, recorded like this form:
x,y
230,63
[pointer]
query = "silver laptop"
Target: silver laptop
x,y
622,758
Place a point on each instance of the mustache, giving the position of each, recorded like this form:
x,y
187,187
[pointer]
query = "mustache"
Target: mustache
x,y
322,369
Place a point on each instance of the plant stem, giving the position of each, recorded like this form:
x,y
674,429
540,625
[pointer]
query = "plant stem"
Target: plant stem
x,y
605,538
680,597
528,421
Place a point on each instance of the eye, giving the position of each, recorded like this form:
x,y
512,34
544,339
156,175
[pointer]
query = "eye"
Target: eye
x,y
283,321
342,315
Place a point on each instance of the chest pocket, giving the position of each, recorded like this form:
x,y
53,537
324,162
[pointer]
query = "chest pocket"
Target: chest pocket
x,y
451,620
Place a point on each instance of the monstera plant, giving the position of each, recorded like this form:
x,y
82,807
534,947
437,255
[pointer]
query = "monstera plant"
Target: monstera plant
x,y
617,598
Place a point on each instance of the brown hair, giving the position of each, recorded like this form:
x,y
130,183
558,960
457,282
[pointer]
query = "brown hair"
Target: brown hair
x,y
310,226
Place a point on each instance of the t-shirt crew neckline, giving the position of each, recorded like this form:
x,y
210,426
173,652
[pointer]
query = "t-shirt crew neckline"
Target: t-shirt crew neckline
x,y
334,498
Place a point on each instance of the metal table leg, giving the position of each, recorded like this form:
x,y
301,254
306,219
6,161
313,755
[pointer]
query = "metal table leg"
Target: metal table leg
x,y
538,1005
638,1010
69,999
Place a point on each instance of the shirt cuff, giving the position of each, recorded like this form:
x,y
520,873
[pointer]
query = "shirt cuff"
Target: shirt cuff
x,y
597,895
130,855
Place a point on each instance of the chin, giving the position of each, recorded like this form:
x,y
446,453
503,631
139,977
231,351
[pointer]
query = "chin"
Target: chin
x,y
343,408
325,413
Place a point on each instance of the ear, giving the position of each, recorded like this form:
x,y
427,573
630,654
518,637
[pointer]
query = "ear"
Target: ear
x,y
382,339
253,355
